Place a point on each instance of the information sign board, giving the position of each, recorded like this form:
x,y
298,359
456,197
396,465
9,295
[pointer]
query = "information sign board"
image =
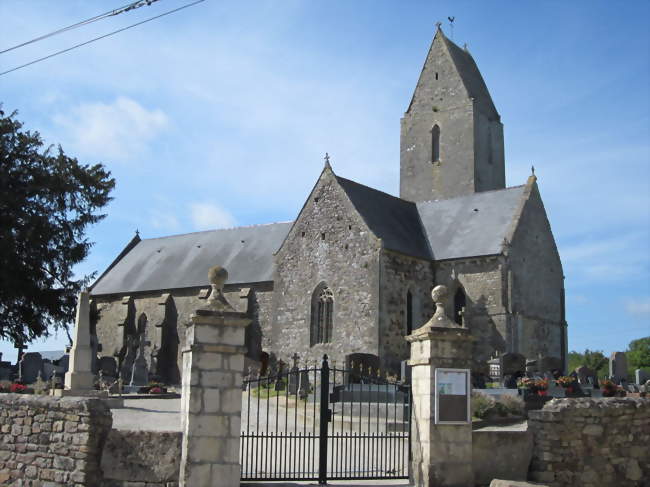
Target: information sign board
x,y
452,388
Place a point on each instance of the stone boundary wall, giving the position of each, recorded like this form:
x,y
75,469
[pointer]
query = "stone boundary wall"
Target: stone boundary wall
x,y
591,442
501,454
141,458
51,440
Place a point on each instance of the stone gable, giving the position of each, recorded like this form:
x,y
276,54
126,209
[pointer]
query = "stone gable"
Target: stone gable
x,y
328,243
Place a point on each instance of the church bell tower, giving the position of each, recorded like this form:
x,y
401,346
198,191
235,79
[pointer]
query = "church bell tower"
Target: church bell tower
x,y
451,140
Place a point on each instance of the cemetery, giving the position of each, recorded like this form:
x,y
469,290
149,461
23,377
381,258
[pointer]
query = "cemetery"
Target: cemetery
x,y
322,421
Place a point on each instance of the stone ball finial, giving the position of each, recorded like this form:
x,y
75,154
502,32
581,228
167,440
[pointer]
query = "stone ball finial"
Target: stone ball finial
x,y
439,293
217,276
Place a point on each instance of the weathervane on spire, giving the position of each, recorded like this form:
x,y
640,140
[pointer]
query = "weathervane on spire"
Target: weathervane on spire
x,y
451,26
438,25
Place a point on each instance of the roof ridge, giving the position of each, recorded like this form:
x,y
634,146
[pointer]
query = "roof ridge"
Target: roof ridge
x,y
474,194
375,189
217,230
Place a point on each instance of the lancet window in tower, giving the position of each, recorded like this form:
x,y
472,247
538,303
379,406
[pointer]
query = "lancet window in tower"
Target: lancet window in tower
x,y
322,311
435,143
460,302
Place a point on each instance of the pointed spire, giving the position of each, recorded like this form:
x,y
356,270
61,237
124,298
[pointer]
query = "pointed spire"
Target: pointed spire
x,y
137,232
438,27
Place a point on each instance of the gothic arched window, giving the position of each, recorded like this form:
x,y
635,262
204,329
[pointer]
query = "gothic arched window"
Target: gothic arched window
x,y
409,313
460,302
322,311
435,143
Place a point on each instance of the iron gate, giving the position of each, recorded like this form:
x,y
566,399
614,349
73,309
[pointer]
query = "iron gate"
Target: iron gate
x,y
322,423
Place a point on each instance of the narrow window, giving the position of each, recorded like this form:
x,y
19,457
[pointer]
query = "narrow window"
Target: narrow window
x,y
436,76
435,143
322,311
409,313
322,236
459,306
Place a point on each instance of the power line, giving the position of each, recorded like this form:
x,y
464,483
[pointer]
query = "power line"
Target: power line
x,y
105,15
100,37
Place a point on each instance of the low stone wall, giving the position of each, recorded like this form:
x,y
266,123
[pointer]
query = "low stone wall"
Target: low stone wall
x,y
501,455
141,459
51,440
591,442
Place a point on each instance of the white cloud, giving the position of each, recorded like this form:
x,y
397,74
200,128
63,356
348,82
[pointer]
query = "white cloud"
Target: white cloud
x,y
163,220
208,216
119,130
638,307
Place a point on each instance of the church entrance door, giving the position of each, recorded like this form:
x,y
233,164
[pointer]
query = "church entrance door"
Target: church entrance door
x,y
325,423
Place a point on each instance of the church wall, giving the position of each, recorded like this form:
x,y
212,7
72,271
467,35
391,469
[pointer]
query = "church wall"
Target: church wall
x,y
537,283
328,243
399,275
483,280
169,318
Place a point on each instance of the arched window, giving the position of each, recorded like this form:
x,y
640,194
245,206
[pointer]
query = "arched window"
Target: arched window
x,y
409,313
322,311
459,305
435,143
142,324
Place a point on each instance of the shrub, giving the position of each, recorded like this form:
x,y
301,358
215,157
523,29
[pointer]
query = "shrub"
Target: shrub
x,y
481,404
513,404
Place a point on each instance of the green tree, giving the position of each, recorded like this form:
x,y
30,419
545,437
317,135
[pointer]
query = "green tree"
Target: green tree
x,y
638,353
594,359
47,201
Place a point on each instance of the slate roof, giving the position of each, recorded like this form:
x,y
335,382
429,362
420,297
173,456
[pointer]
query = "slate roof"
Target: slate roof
x,y
471,76
394,220
182,261
470,225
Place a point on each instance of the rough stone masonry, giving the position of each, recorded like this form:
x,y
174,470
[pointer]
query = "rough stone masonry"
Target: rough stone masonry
x,y
52,441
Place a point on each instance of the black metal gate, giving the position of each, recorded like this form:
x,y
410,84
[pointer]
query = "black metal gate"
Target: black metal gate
x,y
322,423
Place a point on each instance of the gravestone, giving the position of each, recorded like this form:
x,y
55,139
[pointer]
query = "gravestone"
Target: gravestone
x,y
140,374
618,367
29,367
294,376
586,376
279,383
358,364
64,362
641,376
512,363
6,370
49,369
405,372
305,386
108,367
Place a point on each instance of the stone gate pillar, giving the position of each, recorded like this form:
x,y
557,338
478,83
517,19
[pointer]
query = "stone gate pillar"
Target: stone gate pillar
x,y
213,362
441,453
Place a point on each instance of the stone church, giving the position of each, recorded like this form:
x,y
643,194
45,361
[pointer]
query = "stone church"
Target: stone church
x,y
353,273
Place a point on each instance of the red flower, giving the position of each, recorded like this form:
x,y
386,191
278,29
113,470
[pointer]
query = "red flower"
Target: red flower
x,y
155,390
17,388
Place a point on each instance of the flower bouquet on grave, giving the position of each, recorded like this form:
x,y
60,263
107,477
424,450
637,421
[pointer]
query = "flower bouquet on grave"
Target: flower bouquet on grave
x,y
608,387
17,388
541,386
156,388
566,381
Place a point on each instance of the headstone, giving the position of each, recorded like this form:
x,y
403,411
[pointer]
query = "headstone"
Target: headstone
x,y
641,376
294,376
618,367
279,382
139,373
64,362
358,364
49,369
30,365
512,363
108,366
305,386
6,370
585,375
405,372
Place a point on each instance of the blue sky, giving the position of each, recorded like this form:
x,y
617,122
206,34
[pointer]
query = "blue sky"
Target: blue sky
x,y
220,115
